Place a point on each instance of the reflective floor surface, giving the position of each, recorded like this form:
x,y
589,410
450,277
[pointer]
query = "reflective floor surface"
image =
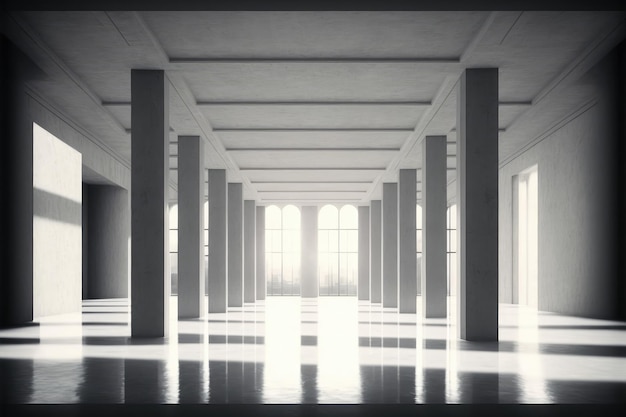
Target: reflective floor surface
x,y
332,350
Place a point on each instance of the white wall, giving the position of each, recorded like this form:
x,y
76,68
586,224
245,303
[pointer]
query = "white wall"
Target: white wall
x,y
95,154
578,265
57,233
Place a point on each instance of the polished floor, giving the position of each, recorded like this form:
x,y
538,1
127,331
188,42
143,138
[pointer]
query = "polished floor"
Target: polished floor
x,y
332,350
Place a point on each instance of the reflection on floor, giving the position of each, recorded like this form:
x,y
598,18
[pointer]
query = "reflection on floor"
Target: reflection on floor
x,y
326,350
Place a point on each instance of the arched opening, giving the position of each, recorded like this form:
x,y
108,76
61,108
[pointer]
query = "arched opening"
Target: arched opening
x,y
282,250
526,254
338,250
451,249
418,246
173,241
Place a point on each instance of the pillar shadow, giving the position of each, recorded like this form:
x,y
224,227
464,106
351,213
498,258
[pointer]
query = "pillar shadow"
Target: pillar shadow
x,y
16,383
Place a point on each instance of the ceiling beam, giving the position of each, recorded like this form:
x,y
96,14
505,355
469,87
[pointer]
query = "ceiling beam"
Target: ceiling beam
x,y
351,129
310,149
514,103
312,169
507,103
314,103
309,191
128,131
500,129
315,60
311,199
310,182
317,5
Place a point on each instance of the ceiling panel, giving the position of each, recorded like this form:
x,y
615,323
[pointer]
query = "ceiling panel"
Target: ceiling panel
x,y
312,139
303,116
315,81
311,194
313,175
312,186
297,34
312,159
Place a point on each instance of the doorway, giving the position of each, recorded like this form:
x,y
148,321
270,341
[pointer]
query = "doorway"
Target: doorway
x,y
525,248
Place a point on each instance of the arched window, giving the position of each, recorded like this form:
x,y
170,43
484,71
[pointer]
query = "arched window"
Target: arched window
x,y
173,219
451,249
418,246
173,238
291,251
206,248
338,250
328,250
282,250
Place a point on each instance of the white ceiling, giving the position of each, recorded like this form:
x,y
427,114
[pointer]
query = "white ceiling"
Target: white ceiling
x,y
315,106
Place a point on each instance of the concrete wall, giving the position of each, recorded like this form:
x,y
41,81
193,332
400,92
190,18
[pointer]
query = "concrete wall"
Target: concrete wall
x,y
20,108
96,156
108,225
579,193
57,231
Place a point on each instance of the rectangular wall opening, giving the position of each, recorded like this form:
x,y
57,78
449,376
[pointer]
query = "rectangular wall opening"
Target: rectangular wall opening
x,y
526,215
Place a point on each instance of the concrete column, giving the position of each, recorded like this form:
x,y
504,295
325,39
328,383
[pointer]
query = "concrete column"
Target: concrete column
x,y
235,245
249,251
16,280
190,227
375,252
85,237
477,193
308,227
364,253
407,261
108,229
217,241
16,130
434,196
150,272
260,253
390,244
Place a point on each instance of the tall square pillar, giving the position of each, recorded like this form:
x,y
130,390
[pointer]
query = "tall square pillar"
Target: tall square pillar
x,y
106,219
390,244
249,251
308,226
407,240
235,245
150,273
375,252
16,171
477,193
217,241
364,253
434,202
260,253
190,227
